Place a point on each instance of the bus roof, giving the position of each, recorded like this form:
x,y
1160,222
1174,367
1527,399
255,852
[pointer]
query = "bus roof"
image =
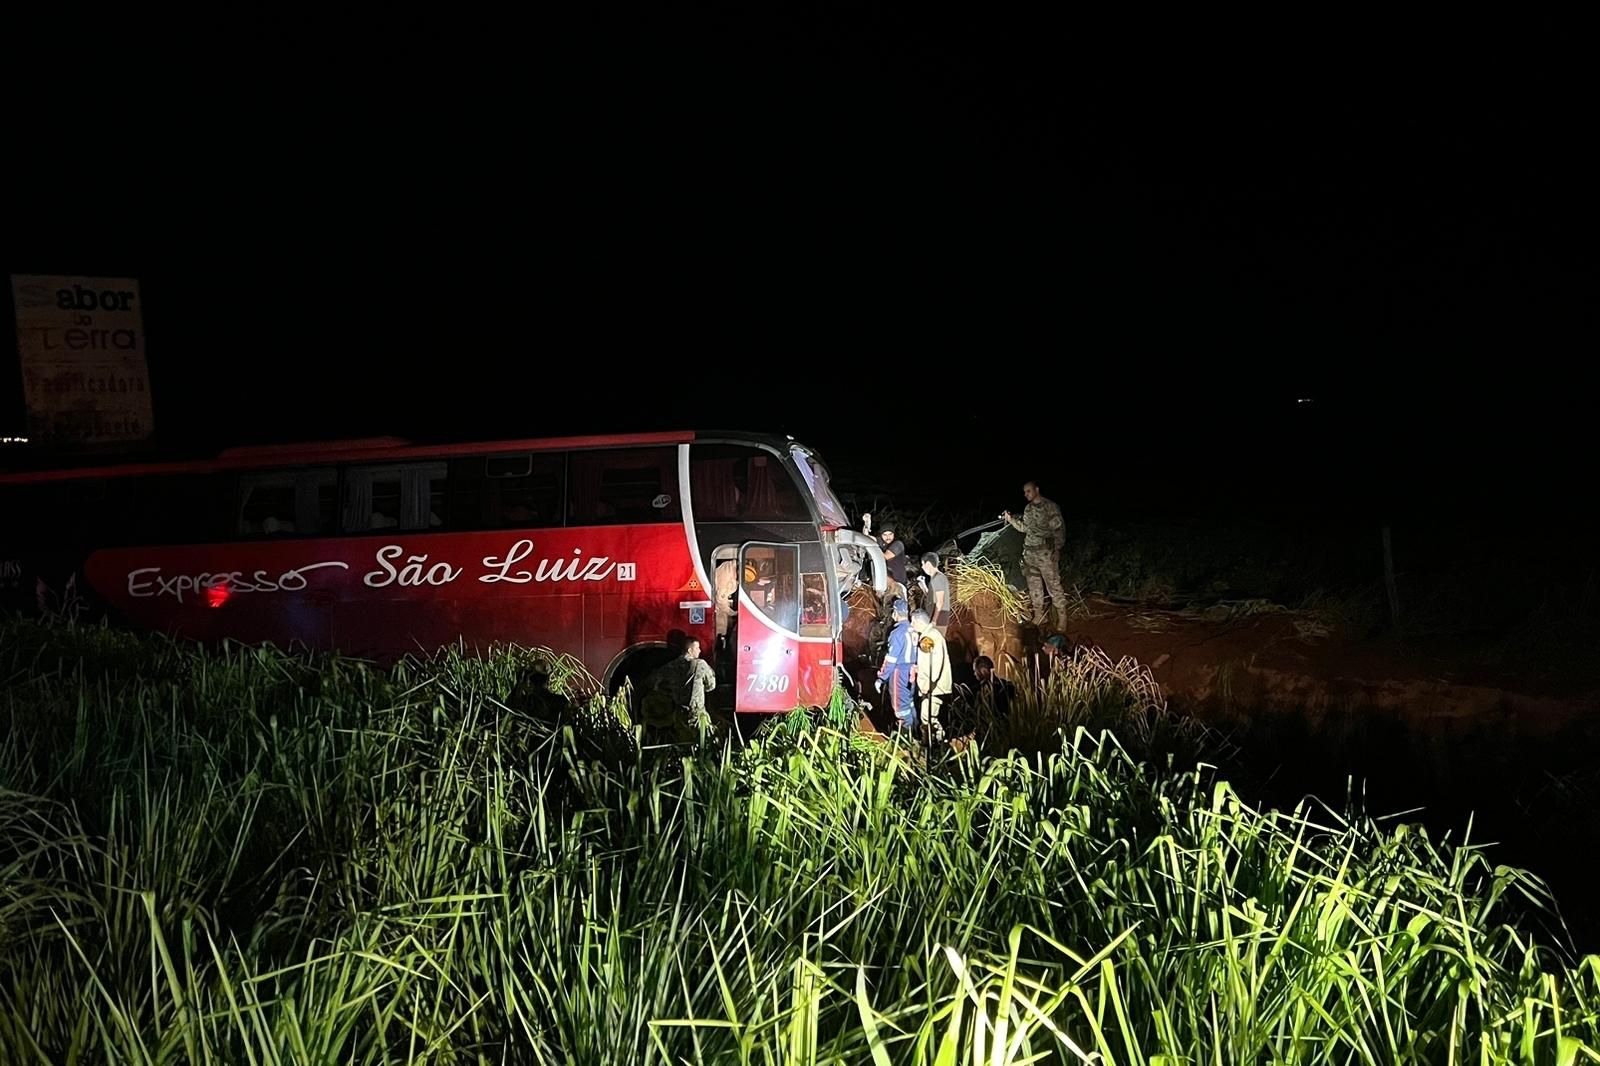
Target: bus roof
x,y
364,450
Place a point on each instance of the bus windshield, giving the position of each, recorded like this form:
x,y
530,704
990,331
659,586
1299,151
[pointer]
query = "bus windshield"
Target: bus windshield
x,y
816,477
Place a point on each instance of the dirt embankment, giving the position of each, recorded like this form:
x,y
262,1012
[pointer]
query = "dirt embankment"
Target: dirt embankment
x,y
1225,662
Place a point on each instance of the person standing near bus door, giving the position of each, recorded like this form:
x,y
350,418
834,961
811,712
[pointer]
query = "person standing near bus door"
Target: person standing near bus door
x,y
897,667
1043,536
725,582
933,673
675,695
937,585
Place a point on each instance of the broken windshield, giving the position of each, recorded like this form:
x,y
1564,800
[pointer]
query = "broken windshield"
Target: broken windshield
x,y
816,478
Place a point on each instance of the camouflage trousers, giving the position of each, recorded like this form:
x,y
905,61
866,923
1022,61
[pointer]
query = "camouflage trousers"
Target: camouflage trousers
x,y
665,721
1042,568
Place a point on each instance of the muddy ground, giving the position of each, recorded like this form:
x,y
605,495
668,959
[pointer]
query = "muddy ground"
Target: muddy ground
x,y
1382,725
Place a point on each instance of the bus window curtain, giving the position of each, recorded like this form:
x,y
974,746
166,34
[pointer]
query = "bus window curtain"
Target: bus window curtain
x,y
587,495
416,495
763,494
358,501
716,497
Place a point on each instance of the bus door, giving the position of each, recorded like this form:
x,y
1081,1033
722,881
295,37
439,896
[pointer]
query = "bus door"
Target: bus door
x,y
766,628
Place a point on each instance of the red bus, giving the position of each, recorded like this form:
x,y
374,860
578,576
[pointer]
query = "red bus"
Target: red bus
x,y
605,548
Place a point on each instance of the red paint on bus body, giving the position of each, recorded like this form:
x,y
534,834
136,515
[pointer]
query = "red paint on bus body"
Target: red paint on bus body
x,y
589,592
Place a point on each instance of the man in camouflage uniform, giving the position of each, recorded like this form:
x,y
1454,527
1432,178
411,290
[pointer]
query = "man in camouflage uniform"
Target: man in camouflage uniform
x,y
675,695
1044,534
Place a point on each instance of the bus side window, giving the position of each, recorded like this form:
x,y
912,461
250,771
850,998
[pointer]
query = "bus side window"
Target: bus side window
x,y
524,490
467,502
286,502
401,496
621,485
266,506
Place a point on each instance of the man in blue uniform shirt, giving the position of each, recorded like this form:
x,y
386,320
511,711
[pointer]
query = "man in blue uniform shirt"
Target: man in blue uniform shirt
x,y
896,668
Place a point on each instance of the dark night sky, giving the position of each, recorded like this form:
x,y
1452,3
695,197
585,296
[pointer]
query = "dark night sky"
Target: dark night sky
x,y
698,225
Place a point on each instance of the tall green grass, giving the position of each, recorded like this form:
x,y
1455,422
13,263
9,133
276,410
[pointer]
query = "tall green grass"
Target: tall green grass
x,y
1086,690
238,856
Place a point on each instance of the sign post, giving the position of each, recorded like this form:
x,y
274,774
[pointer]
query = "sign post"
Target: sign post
x,y
81,344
